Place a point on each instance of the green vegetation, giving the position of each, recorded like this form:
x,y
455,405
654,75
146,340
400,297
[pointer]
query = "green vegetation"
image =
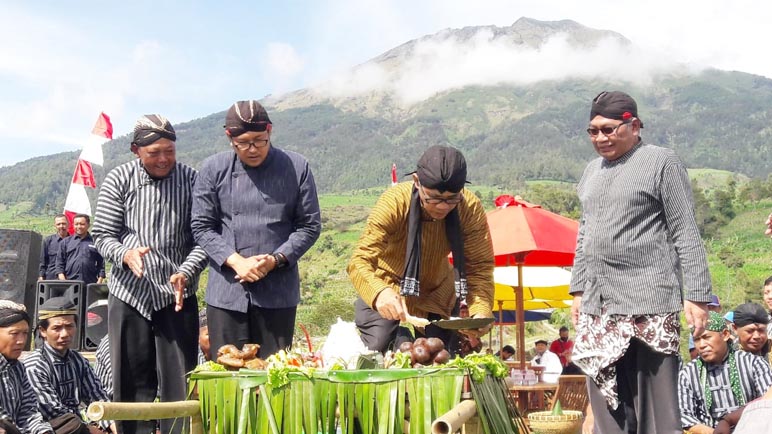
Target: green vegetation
x,y
509,134
730,211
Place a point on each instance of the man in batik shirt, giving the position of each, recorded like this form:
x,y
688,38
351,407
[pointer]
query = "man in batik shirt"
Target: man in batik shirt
x,y
719,382
638,247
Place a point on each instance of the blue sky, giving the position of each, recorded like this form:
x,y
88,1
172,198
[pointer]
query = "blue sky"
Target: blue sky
x,y
61,63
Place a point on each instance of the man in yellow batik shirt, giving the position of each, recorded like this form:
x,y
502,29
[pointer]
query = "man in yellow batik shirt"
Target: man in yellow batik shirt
x,y
400,265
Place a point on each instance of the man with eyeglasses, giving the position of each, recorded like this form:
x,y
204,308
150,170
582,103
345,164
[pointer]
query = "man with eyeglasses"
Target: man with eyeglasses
x,y
400,265
637,251
255,213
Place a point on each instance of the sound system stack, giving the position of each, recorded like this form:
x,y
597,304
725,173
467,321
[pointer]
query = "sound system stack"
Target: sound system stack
x,y
19,266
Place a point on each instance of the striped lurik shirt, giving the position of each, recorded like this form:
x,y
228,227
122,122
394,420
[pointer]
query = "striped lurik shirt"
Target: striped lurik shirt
x,y
378,260
135,210
638,245
17,399
103,367
755,379
62,382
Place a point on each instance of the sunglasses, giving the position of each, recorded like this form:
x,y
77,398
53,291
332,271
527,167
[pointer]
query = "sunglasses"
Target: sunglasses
x,y
607,131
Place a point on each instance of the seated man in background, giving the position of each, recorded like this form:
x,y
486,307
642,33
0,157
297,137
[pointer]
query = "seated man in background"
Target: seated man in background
x,y
62,379
507,353
549,360
750,326
720,381
18,404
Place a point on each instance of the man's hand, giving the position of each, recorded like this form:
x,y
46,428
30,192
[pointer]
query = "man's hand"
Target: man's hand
x,y
696,317
247,269
179,283
390,305
768,231
39,279
133,260
476,333
575,306
266,263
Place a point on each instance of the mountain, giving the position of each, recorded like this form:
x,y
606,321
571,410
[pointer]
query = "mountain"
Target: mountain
x,y
514,99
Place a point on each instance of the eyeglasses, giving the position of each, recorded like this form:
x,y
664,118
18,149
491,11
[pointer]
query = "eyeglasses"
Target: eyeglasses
x,y
607,131
453,200
244,146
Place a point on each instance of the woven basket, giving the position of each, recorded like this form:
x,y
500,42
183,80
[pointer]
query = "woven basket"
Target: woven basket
x,y
544,422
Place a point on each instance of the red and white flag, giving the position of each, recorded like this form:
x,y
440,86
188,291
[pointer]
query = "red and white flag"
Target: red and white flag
x,y
77,200
393,174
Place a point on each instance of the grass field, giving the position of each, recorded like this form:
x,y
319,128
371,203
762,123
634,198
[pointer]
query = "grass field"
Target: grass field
x,y
740,257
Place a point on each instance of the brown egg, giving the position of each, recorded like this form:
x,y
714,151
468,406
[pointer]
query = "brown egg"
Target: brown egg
x,y
421,354
442,357
405,347
435,345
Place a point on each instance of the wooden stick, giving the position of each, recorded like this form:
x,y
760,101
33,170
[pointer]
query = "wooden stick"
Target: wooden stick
x,y
451,421
148,411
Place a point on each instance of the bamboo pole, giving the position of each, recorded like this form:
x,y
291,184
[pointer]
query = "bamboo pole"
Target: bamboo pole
x,y
148,411
452,421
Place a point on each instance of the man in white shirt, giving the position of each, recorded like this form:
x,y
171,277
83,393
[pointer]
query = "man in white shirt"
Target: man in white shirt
x,y
549,360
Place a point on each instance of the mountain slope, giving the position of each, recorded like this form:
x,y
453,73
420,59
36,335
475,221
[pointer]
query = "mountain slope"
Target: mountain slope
x,y
509,131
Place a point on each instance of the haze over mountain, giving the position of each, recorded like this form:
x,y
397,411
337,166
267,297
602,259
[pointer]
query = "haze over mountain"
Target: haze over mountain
x,y
514,99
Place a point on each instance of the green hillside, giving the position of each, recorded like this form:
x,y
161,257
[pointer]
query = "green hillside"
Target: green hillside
x,y
716,120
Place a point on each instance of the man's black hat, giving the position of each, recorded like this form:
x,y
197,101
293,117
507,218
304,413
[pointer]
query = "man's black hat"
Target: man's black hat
x,y
151,128
246,116
750,313
614,105
442,168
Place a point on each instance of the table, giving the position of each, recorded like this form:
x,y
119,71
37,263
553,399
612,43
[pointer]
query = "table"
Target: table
x,y
523,394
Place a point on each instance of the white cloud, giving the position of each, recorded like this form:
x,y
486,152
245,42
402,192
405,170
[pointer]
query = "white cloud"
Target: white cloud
x,y
444,62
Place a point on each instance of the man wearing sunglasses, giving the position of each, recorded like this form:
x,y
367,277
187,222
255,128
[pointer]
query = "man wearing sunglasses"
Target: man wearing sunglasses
x,y
400,265
255,213
638,248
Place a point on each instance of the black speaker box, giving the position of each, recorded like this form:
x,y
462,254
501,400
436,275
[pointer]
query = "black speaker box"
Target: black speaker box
x,y
57,288
19,263
95,322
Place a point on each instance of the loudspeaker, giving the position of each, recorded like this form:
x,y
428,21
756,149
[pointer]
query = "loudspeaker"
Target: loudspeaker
x,y
95,322
19,266
57,288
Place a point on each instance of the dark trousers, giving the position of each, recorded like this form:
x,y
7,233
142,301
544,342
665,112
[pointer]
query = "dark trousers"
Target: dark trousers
x,y
69,424
647,383
272,329
380,334
8,427
151,357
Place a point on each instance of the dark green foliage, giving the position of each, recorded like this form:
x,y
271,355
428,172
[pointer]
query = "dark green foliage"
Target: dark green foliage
x,y
509,134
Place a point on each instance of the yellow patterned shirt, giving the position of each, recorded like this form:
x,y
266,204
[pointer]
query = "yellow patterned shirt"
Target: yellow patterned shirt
x,y
378,260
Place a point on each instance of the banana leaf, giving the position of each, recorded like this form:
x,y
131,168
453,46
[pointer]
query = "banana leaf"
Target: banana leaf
x,y
368,401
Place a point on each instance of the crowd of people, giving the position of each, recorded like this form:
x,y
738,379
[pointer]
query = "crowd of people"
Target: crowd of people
x,y
250,214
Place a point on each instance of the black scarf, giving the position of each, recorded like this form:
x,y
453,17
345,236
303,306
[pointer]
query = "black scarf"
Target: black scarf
x,y
410,284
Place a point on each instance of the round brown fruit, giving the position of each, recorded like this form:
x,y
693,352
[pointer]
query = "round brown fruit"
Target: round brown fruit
x,y
419,341
405,347
442,357
435,345
421,354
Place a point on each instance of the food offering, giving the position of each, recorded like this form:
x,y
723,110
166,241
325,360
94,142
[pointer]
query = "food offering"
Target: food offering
x,y
400,392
